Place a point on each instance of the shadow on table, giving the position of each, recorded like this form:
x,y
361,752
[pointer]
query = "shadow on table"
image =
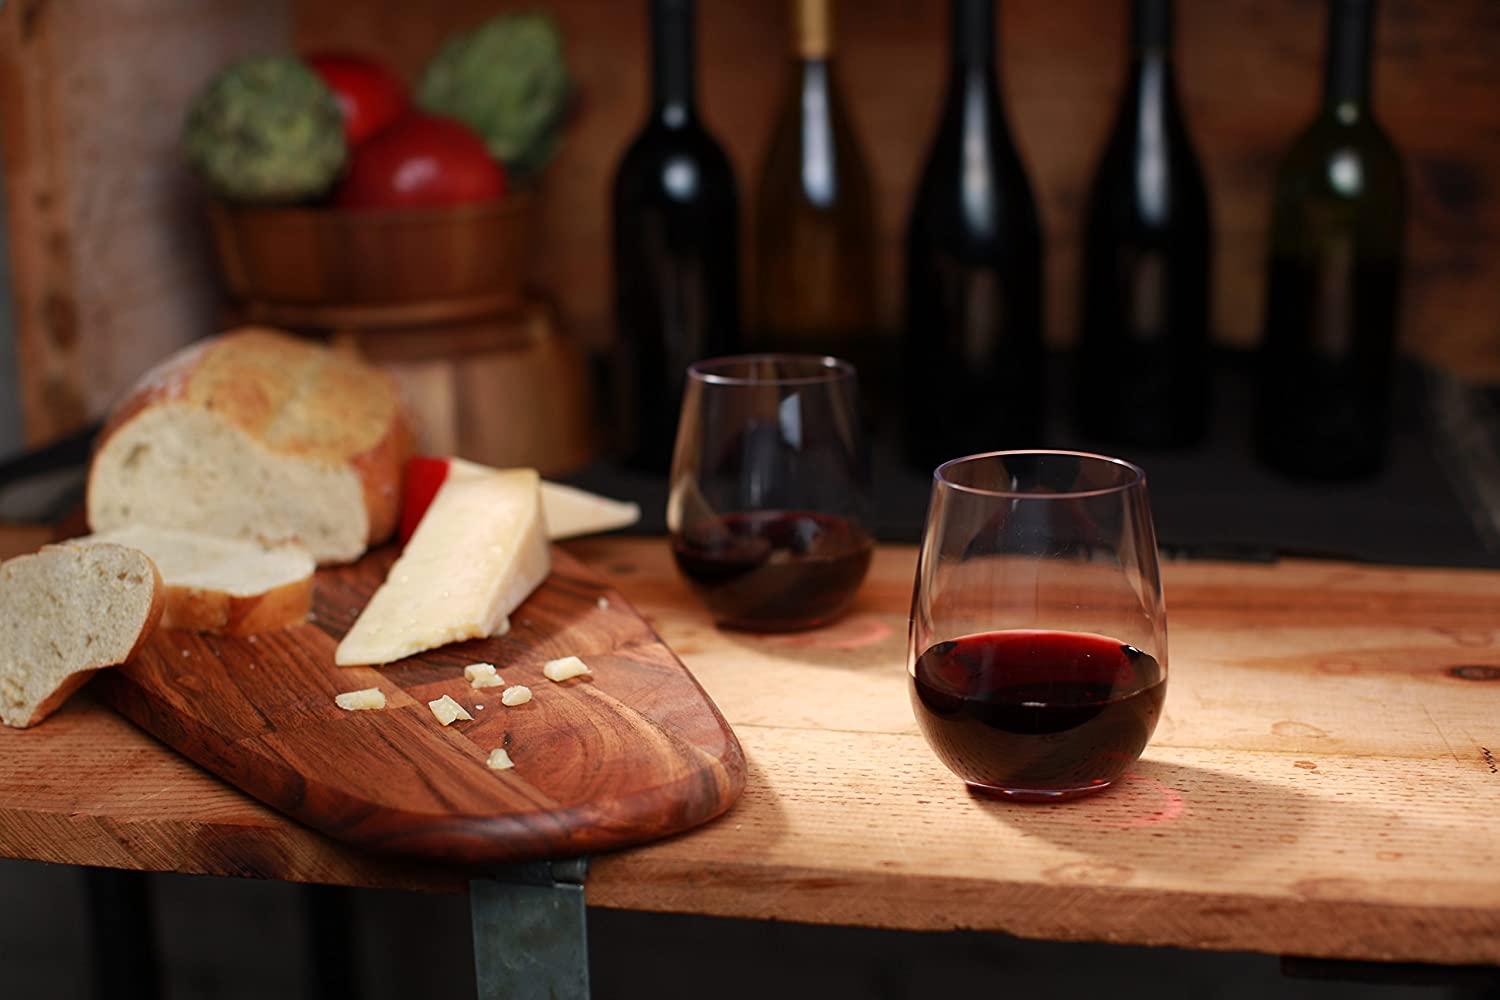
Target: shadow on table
x,y
867,638
1168,817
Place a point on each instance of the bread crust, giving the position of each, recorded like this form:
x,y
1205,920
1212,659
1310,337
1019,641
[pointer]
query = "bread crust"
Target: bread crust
x,y
348,389
225,614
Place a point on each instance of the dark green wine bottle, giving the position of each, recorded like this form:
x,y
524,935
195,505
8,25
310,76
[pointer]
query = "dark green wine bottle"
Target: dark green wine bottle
x,y
1337,231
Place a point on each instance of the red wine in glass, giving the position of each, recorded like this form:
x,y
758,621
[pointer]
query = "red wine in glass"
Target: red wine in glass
x,y
1038,715
774,570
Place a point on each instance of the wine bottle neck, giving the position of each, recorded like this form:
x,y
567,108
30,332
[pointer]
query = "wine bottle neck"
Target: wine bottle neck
x,y
973,35
812,29
1152,30
672,59
1347,83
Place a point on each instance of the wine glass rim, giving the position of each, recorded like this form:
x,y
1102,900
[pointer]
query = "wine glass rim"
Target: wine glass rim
x,y
1136,478
823,368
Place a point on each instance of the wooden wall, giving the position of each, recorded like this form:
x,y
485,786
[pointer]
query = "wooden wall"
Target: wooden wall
x,y
109,259
112,270
1250,75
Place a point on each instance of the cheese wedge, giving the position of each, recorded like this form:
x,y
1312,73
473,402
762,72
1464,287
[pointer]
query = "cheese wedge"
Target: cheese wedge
x,y
572,512
569,512
479,551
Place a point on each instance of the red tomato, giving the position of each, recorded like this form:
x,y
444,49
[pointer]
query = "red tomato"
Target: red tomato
x,y
369,95
420,160
424,477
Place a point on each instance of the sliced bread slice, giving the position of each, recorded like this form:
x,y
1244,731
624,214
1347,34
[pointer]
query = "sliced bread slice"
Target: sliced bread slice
x,y
223,585
65,612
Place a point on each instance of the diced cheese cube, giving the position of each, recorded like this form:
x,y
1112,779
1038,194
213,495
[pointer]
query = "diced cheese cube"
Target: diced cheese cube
x,y
565,668
518,695
482,675
480,549
367,700
499,761
448,711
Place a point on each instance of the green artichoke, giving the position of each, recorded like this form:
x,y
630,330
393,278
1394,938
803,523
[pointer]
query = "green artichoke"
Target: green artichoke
x,y
507,80
266,129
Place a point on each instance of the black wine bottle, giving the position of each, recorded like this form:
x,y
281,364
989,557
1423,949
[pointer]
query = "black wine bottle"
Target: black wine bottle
x,y
815,235
1337,234
973,339
1143,374
676,249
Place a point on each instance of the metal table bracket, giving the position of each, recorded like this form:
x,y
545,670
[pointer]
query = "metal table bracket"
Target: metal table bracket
x,y
530,934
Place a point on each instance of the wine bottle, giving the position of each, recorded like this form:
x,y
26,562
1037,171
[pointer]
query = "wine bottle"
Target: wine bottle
x,y
1143,346
973,345
815,232
676,249
1337,234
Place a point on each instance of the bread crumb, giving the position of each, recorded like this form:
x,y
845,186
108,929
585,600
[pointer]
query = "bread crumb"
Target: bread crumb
x,y
482,675
479,708
448,711
565,668
499,760
518,695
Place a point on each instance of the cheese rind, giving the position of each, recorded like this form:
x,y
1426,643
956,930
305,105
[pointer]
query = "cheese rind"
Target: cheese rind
x,y
479,551
564,669
365,700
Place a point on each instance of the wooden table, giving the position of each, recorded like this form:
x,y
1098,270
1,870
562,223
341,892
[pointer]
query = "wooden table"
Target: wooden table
x,y
1325,782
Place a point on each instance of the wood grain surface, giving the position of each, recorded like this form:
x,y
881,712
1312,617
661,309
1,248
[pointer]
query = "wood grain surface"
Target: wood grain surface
x,y
633,753
1323,781
96,790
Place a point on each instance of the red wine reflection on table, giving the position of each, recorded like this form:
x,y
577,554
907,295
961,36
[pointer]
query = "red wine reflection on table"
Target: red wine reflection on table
x,y
1037,715
774,570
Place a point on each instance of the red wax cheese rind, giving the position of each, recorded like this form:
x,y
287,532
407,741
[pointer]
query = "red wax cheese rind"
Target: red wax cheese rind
x,y
425,475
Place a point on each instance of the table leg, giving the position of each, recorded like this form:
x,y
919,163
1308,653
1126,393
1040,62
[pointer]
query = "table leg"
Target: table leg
x,y
330,938
123,935
530,932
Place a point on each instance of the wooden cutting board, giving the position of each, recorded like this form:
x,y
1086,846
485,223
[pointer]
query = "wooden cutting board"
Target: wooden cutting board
x,y
634,753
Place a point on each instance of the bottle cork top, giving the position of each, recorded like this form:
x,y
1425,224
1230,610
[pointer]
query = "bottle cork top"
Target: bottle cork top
x,y
812,28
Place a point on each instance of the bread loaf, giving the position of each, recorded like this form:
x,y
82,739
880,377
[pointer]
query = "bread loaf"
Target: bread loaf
x,y
257,435
65,612
223,585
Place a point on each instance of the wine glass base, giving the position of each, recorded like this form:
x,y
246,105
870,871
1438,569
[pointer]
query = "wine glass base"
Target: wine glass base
x,y
1035,794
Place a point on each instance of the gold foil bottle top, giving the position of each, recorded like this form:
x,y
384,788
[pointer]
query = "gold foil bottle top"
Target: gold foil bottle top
x,y
812,28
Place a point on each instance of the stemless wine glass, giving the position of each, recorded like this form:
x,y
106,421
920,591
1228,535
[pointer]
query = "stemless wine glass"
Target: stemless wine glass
x,y
1038,652
770,490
